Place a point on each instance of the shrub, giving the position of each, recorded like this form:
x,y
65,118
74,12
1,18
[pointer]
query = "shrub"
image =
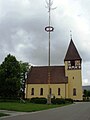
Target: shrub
x,y
69,100
38,100
61,101
58,101
53,101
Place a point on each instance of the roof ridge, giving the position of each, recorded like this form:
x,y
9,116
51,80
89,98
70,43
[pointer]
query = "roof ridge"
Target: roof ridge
x,y
47,66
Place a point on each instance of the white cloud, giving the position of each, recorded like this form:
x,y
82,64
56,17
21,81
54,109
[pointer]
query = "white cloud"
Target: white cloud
x,y
85,82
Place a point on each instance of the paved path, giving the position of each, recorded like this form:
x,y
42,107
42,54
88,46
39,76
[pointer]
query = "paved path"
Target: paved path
x,y
79,111
12,113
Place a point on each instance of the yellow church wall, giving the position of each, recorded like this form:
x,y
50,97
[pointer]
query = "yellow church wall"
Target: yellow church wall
x,y
74,81
66,90
54,87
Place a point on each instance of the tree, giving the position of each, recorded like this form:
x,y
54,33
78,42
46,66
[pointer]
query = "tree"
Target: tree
x,y
89,93
9,77
24,68
86,94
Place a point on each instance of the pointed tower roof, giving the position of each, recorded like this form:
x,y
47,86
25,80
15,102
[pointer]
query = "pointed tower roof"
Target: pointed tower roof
x,y
72,53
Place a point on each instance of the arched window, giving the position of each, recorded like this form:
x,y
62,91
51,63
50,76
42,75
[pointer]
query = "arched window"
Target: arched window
x,y
50,91
58,91
74,92
32,91
41,91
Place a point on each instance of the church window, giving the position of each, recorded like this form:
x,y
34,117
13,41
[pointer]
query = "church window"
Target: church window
x,y
58,91
32,91
50,91
74,92
41,91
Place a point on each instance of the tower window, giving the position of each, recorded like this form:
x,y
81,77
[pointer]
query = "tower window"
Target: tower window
x,y
69,64
32,91
78,64
58,91
72,63
74,92
41,91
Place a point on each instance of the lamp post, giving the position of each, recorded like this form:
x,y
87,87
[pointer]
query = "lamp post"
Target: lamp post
x,y
49,29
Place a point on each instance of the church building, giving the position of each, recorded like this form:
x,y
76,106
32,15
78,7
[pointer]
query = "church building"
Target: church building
x,y
65,81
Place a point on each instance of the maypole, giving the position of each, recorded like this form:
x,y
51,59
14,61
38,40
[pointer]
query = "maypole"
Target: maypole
x,y
49,29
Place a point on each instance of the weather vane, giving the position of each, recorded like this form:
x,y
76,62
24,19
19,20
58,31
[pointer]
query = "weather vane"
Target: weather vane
x,y
49,29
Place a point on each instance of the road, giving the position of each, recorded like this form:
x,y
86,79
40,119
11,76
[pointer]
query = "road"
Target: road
x,y
78,111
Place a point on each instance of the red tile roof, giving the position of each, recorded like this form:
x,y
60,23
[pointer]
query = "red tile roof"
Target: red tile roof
x,y
72,53
39,75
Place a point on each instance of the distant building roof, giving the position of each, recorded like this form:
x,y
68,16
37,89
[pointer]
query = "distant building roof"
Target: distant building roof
x,y
39,75
72,53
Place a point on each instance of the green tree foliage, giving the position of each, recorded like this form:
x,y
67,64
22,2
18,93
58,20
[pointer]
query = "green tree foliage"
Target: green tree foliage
x,y
9,77
86,94
89,93
24,68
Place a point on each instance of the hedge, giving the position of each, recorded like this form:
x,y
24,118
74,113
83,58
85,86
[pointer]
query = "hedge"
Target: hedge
x,y
53,100
38,100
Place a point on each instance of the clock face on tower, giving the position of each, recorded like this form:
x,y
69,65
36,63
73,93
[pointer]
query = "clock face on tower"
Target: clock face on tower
x,y
74,64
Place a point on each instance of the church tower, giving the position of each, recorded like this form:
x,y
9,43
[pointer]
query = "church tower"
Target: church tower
x,y
73,72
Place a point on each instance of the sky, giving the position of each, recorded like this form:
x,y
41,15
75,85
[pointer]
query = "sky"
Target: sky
x,y
22,31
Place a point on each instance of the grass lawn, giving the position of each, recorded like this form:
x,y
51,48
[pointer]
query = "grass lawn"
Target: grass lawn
x,y
25,107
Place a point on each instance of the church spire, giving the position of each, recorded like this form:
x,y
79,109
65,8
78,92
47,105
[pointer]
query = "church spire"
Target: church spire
x,y
72,53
